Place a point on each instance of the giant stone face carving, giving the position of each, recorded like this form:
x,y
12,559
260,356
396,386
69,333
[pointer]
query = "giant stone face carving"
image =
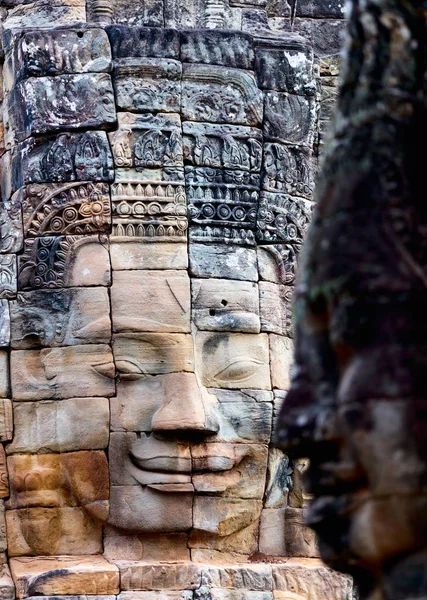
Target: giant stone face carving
x,y
148,248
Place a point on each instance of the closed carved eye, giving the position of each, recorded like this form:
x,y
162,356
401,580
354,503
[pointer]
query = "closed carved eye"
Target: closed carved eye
x,y
239,370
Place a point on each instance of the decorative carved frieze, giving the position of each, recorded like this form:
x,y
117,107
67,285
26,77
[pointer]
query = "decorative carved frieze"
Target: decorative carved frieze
x,y
220,95
283,218
8,283
229,49
151,210
65,209
290,118
64,261
288,169
148,84
226,146
222,205
151,140
65,157
152,42
41,53
11,235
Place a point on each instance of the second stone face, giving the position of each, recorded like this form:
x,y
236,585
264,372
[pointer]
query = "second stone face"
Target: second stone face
x,y
65,317
74,371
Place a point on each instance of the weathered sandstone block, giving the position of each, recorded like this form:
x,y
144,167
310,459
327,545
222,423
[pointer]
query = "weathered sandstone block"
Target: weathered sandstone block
x,y
154,42
57,52
64,575
4,374
4,324
300,539
289,118
220,304
305,576
11,236
231,470
145,576
275,308
223,516
6,420
51,426
288,169
65,209
3,538
71,371
272,532
223,261
148,84
131,253
283,218
167,547
4,483
52,531
229,548
66,317
243,416
8,276
7,588
234,360
281,361
151,140
60,480
220,95
172,402
46,14
276,263
222,205
285,65
55,103
222,146
149,205
157,301
61,158
147,510
215,47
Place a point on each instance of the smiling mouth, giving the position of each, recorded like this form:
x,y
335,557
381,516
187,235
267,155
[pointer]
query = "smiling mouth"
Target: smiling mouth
x,y
209,473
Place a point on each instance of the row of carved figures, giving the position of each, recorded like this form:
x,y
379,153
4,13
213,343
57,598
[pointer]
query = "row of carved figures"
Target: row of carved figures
x,y
102,11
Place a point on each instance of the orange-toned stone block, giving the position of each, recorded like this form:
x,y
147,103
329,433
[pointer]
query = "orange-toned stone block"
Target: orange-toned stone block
x,y
64,575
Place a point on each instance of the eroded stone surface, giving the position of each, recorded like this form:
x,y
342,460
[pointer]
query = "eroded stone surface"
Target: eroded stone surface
x,y
6,420
57,52
64,575
52,531
157,301
46,318
62,372
225,305
61,158
50,426
55,103
148,84
223,262
220,95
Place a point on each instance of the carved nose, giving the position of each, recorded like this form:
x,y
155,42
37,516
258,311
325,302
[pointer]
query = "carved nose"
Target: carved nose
x,y
185,407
